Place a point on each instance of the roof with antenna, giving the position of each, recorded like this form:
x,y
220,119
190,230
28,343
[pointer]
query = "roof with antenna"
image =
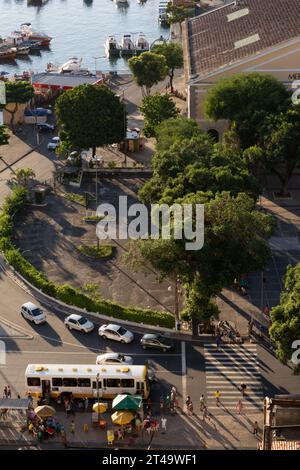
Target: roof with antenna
x,y
239,30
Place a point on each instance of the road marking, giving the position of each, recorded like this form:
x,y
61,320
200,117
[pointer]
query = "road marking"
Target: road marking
x,y
183,367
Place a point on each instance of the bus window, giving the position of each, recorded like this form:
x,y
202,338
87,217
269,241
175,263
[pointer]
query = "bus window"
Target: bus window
x,y
57,382
113,383
84,383
69,382
95,385
33,381
127,383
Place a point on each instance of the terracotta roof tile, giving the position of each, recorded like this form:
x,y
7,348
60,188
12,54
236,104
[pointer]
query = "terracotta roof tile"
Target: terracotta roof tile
x,y
212,37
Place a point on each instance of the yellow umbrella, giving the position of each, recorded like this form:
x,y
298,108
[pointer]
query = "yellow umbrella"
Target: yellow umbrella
x,y
44,411
122,417
99,407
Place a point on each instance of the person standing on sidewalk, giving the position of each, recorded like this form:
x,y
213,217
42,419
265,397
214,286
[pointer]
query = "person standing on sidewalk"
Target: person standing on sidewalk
x,y
217,397
239,407
5,392
243,389
72,426
202,402
255,428
8,391
163,422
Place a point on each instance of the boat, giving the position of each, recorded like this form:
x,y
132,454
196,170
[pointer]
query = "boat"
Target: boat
x,y
43,38
163,16
112,48
19,39
23,50
127,46
121,2
141,45
7,53
72,66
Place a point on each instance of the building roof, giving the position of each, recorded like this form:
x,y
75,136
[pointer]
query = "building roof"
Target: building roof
x,y
239,30
63,81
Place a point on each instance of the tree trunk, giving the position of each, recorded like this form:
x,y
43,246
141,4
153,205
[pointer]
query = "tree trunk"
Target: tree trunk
x,y
171,75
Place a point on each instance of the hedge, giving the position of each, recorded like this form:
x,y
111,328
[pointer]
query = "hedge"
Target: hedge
x,y
65,292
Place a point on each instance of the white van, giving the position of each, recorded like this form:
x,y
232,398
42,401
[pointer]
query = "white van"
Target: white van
x,y
31,312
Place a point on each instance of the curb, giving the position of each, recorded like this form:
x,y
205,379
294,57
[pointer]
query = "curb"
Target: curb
x,y
66,309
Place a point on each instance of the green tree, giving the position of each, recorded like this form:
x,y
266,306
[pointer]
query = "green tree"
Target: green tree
x,y
4,137
177,14
285,317
156,109
17,93
246,100
279,143
173,54
90,116
176,129
197,165
148,69
22,176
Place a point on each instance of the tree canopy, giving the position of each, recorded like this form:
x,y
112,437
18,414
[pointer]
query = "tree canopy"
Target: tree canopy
x,y
279,143
156,109
176,129
19,93
91,116
246,100
173,53
148,69
285,317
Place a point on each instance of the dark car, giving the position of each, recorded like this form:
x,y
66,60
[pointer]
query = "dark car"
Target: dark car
x,y
157,341
44,127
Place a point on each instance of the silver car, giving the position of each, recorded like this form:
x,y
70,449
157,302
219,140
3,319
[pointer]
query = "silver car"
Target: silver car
x,y
114,358
79,323
116,333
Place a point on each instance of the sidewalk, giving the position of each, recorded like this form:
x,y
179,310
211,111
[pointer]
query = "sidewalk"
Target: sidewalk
x,y
183,432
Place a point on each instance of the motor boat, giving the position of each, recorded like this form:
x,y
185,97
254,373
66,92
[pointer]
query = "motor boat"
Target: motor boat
x,y
7,53
30,34
112,48
72,66
127,46
163,16
23,50
141,45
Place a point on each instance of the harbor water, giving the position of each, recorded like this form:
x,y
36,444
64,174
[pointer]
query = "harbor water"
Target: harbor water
x,y
79,28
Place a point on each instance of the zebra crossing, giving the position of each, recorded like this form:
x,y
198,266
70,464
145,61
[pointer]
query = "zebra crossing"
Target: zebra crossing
x,y
226,368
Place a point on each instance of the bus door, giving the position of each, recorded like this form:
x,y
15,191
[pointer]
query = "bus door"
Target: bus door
x,y
140,388
46,388
97,388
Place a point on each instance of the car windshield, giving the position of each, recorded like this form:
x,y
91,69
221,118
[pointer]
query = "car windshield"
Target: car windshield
x,y
164,340
82,321
122,331
36,312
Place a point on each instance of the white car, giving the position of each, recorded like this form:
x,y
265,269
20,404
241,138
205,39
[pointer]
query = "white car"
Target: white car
x,y
115,332
31,312
54,142
114,358
79,323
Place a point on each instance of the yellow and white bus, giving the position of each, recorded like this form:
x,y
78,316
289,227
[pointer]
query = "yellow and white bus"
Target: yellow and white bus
x,y
86,380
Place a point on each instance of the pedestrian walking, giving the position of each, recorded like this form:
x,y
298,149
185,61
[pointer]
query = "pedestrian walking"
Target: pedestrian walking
x,y
163,423
205,413
217,397
68,407
30,400
250,327
255,428
5,392
161,404
187,402
72,426
190,408
19,396
8,391
239,407
266,310
218,341
202,402
86,404
243,389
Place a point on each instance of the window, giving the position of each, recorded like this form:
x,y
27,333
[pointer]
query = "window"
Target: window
x,y
84,383
69,382
112,383
72,321
140,385
33,381
57,382
128,383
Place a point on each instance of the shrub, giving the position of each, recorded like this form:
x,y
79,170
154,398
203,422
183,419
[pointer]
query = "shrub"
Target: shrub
x,y
6,225
103,251
14,202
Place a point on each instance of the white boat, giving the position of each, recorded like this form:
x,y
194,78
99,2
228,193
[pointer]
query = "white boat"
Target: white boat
x,y
23,50
112,48
163,16
73,66
141,45
127,46
27,31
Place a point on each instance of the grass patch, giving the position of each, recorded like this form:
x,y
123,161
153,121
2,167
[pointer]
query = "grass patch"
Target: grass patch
x,y
93,218
103,251
74,197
